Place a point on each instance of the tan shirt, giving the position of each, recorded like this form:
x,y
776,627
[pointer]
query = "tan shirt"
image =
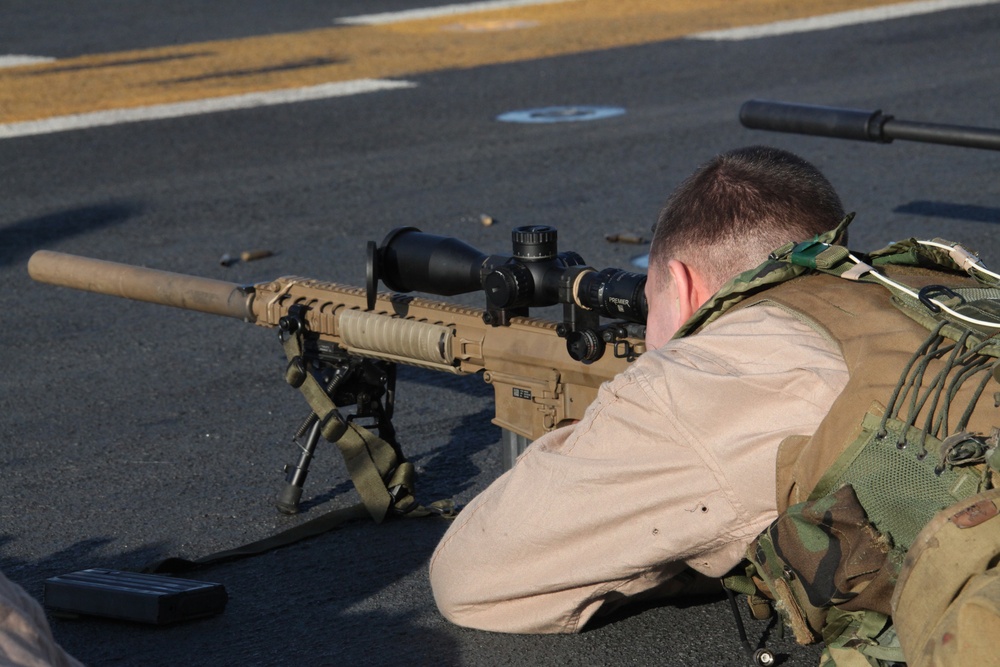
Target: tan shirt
x,y
25,637
673,465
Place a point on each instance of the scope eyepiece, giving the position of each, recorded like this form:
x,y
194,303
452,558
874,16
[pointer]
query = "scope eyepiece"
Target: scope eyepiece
x,y
613,293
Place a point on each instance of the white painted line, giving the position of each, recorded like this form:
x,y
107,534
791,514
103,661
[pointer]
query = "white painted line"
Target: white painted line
x,y
14,60
839,19
196,107
435,12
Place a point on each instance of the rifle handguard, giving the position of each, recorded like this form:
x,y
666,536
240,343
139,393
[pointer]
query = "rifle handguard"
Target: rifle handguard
x,y
393,338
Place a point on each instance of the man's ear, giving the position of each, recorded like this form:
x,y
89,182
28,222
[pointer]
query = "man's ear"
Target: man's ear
x,y
690,287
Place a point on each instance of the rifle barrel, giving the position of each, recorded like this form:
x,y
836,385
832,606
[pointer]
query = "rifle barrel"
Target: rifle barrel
x,y
204,295
858,124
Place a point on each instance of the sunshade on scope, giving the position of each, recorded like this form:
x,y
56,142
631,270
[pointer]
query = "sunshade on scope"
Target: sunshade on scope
x,y
534,275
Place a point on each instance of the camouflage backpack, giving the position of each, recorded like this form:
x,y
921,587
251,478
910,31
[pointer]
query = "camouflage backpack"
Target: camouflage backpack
x,y
865,549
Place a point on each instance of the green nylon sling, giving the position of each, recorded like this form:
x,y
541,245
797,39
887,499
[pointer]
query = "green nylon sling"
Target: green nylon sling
x,y
380,474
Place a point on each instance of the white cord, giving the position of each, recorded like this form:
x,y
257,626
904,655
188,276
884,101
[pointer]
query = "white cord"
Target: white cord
x,y
965,259
907,290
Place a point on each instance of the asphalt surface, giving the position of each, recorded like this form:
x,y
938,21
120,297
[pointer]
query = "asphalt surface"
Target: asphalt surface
x,y
131,432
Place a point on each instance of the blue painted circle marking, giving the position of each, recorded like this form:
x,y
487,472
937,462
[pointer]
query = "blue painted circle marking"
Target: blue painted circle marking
x,y
560,114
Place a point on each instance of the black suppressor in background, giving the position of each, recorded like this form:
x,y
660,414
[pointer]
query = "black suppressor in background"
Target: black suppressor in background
x,y
874,126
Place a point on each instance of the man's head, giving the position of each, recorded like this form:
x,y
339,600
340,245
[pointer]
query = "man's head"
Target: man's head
x,y
725,219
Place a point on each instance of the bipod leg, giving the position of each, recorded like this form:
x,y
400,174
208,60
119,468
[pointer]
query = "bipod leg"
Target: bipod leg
x,y
288,500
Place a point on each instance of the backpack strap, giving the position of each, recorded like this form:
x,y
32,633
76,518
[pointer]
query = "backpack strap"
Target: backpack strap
x,y
774,271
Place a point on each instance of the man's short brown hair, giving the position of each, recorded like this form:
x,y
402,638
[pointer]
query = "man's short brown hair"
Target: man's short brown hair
x,y
735,209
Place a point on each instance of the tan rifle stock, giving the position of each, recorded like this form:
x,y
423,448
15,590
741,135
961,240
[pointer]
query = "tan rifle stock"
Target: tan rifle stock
x,y
537,385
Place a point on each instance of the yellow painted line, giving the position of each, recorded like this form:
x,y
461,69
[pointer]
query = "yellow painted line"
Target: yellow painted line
x,y
441,10
207,70
79,121
839,19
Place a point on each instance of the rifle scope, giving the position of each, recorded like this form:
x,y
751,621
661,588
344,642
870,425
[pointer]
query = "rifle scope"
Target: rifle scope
x,y
535,274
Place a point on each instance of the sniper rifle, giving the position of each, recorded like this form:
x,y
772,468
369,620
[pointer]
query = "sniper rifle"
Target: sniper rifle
x,y
343,343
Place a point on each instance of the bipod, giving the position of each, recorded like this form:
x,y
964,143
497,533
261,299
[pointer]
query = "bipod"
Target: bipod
x,y
368,384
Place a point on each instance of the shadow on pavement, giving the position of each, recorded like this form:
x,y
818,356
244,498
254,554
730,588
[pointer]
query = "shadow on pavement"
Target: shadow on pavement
x,y
940,209
20,239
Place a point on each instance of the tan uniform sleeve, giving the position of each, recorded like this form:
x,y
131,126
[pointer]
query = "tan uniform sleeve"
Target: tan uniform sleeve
x,y
673,466
25,637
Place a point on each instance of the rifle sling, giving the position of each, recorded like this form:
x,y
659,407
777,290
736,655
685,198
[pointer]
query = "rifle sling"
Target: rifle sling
x,y
382,477
319,525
